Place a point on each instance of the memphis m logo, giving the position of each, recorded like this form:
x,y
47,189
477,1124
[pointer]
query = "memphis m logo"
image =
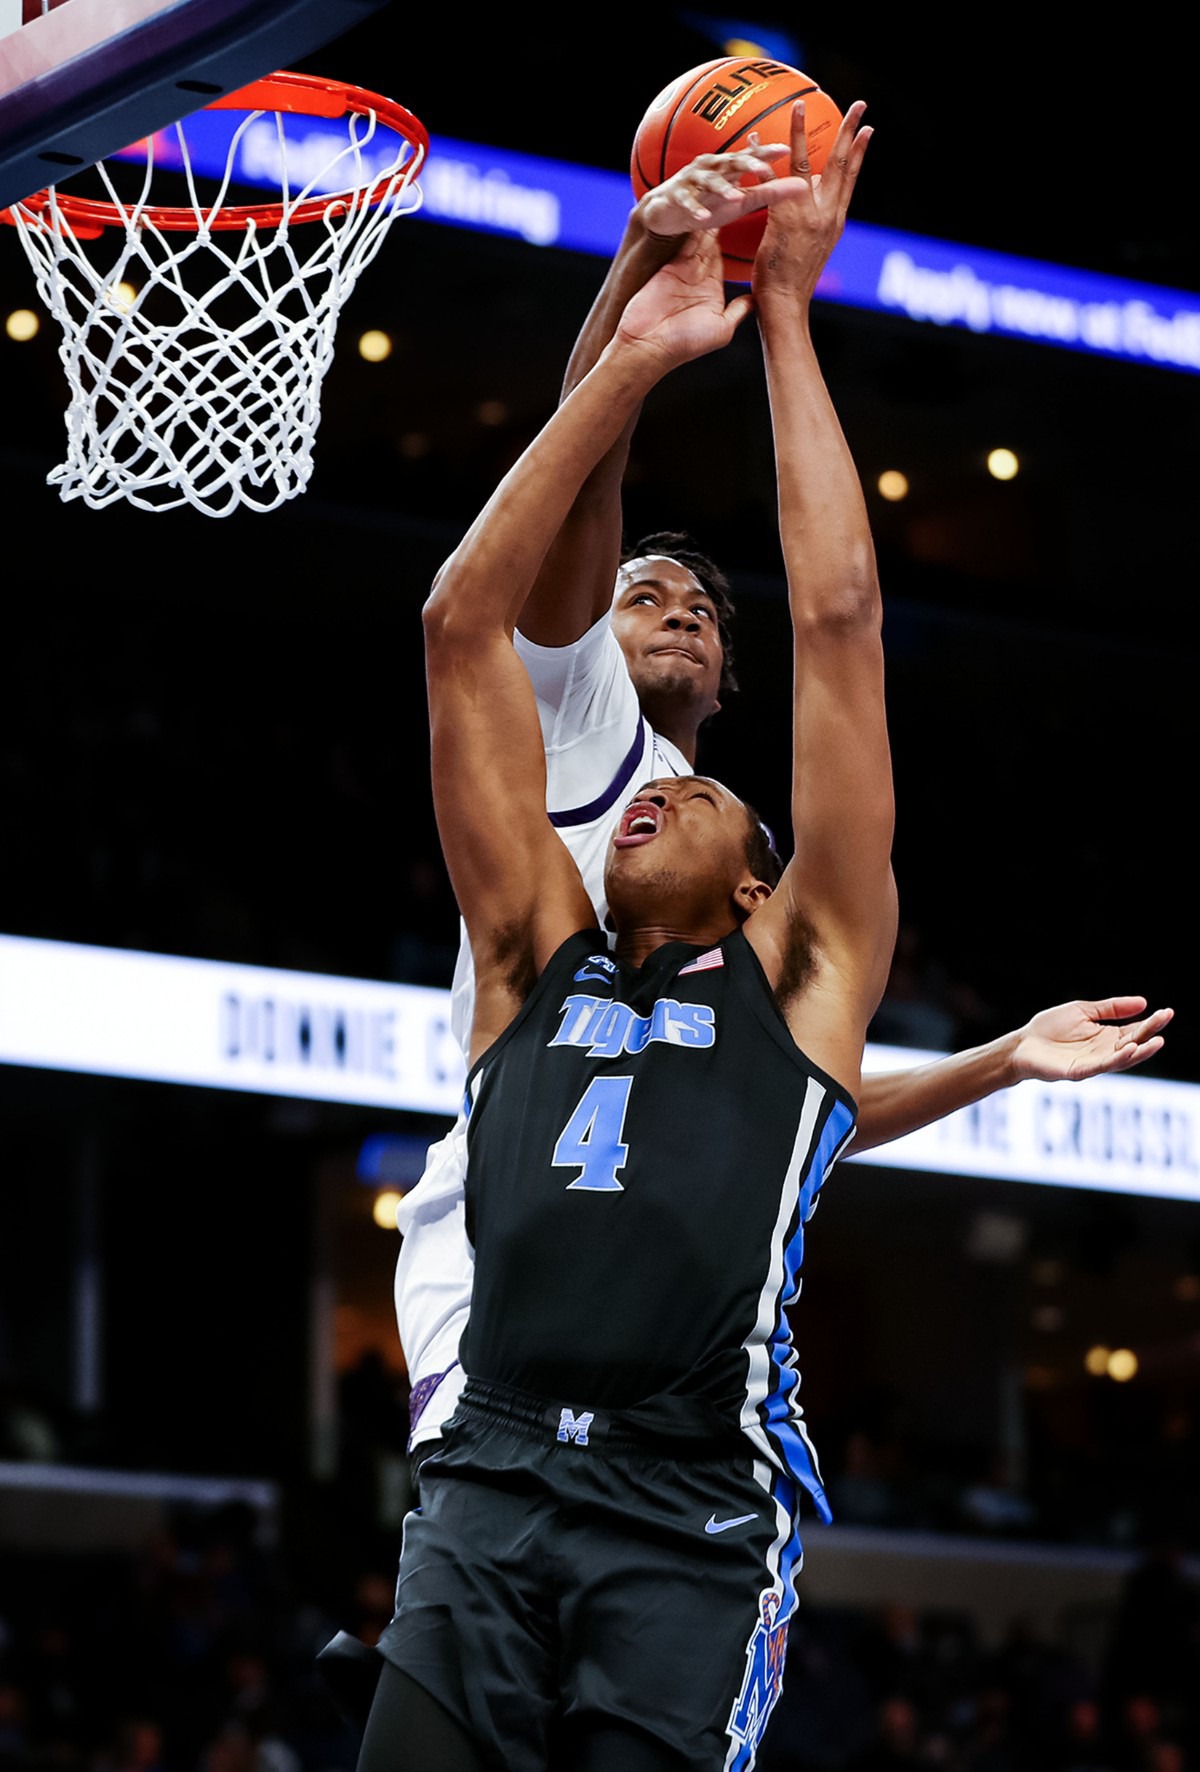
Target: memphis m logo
x,y
607,1029
575,1427
761,1686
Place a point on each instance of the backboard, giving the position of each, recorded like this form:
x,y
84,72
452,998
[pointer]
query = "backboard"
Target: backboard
x,y
81,79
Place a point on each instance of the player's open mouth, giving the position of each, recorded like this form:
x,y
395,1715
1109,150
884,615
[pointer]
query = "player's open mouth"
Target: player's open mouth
x,y
639,824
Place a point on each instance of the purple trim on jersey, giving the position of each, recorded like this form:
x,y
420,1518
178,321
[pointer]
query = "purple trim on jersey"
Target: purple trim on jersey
x,y
421,1393
615,788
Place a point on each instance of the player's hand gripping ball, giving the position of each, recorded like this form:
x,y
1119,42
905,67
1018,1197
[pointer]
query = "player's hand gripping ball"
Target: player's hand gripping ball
x,y
714,108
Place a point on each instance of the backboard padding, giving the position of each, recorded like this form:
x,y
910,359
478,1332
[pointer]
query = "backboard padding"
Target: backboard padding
x,y
90,76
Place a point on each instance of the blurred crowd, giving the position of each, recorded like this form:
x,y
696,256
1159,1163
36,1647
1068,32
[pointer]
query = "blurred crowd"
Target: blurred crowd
x,y
1085,1492
892,1688
197,1653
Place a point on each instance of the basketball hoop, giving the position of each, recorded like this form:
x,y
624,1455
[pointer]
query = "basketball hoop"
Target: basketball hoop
x,y
196,335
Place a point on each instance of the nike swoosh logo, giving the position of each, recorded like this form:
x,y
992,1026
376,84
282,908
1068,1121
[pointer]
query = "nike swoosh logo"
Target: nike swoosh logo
x,y
584,973
715,1525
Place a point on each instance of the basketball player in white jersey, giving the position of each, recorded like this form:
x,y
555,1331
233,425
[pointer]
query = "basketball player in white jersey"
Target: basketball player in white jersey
x,y
624,681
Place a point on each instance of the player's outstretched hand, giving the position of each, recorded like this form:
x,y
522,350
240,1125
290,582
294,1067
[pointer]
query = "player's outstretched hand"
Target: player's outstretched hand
x,y
807,214
1078,1040
708,192
681,313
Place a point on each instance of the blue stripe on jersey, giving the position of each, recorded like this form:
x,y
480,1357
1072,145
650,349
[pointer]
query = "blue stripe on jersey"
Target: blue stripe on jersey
x,y
614,790
791,1556
776,1412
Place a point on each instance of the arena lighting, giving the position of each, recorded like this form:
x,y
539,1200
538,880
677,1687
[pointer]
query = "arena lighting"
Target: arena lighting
x,y
383,1209
117,1012
584,209
374,346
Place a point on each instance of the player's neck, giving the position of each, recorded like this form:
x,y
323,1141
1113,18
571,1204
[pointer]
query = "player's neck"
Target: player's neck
x,y
679,727
636,945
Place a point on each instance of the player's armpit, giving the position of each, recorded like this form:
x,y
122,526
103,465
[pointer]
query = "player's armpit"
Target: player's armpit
x,y
574,586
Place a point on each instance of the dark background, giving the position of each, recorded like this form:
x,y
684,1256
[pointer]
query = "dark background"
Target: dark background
x,y
213,741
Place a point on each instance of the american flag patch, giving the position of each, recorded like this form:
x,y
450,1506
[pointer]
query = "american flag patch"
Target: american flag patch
x,y
706,962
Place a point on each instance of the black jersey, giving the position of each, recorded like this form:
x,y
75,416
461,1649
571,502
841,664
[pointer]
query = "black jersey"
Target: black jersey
x,y
644,1148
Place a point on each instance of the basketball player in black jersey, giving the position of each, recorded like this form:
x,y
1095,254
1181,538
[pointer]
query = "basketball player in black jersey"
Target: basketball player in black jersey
x,y
572,592
603,1568
602,1572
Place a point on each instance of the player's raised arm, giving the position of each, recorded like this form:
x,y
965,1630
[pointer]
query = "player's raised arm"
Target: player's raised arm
x,y
574,586
517,887
829,928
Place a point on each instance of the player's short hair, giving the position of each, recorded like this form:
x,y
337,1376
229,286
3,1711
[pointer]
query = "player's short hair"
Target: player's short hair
x,y
762,857
675,544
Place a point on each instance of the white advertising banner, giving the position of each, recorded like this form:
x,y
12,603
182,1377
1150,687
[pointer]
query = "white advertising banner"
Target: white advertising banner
x,y
1132,1133
118,1013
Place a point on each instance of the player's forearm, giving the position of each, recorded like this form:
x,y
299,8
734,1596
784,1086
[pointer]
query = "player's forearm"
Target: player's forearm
x,y
637,258
487,579
843,811
575,584
824,529
893,1103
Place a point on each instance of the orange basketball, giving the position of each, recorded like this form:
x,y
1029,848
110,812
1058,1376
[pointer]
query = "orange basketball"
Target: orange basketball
x,y
713,108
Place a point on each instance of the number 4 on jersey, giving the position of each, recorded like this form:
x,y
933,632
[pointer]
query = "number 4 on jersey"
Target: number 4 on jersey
x,y
591,1139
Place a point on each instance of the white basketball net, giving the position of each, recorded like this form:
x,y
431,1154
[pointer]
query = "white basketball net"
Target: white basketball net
x,y
203,387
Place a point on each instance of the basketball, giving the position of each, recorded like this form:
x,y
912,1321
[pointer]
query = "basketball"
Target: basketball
x,y
714,108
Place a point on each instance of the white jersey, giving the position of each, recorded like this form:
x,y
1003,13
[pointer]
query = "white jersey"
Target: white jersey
x,y
599,749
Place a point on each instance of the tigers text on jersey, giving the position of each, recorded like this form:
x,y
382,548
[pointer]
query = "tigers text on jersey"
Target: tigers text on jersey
x,y
644,1148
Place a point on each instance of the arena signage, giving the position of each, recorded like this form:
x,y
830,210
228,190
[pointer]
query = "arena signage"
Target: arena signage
x,y
1133,1134
119,1013
992,293
584,209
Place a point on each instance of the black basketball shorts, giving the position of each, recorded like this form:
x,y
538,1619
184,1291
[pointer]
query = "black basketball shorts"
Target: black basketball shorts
x,y
560,1570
